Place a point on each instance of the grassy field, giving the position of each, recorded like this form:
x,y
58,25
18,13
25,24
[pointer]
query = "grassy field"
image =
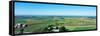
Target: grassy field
x,y
72,23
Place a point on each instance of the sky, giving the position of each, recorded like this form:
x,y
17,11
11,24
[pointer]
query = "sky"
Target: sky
x,y
52,9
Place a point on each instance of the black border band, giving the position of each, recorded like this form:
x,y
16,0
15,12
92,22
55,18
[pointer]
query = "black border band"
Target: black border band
x,y
11,15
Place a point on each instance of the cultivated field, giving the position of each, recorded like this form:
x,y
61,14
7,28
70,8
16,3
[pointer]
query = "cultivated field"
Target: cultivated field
x,y
72,23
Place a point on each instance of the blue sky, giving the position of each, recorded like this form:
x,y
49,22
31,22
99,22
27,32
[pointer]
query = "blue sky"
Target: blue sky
x,y
52,9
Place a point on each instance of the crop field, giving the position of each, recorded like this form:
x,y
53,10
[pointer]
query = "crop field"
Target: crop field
x,y
37,24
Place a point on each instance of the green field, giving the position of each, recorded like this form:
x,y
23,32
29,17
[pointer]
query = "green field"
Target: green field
x,y
39,23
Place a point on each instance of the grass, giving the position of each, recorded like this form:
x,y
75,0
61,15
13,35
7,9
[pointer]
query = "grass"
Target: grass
x,y
73,28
